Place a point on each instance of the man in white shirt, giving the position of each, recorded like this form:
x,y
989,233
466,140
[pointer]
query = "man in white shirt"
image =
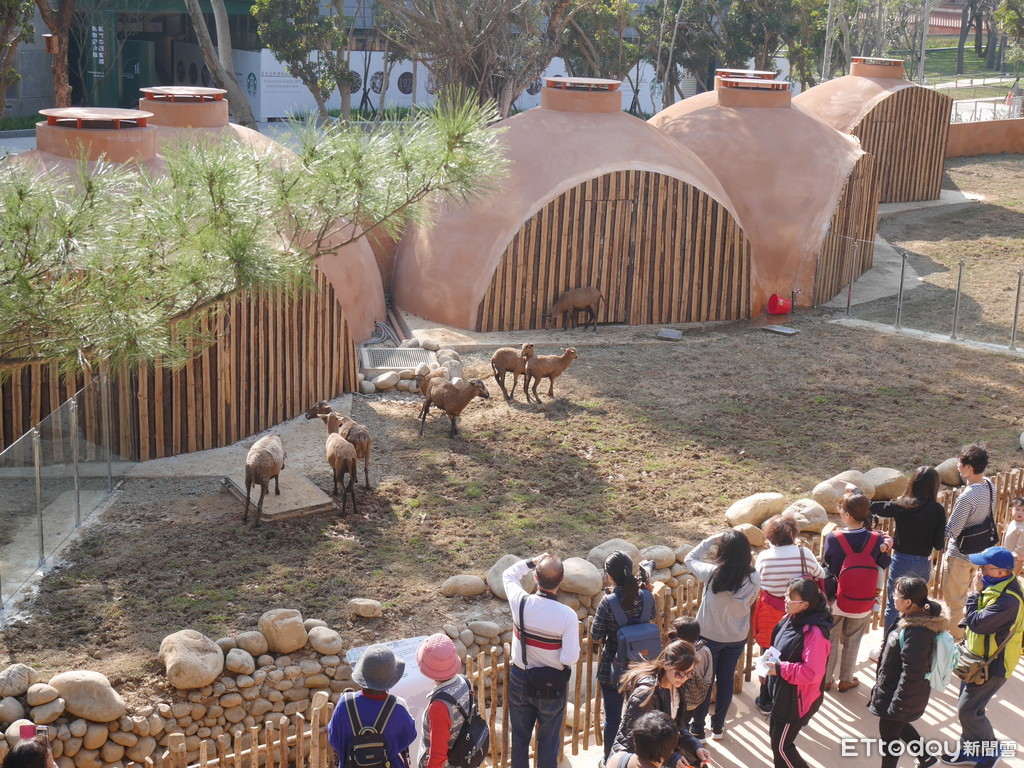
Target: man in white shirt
x,y
547,642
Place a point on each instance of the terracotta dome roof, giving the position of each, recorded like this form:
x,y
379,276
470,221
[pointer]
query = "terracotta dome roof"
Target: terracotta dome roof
x,y
783,169
843,102
443,271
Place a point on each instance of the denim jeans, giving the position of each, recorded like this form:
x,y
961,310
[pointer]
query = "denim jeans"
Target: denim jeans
x,y
525,712
724,658
970,709
903,565
612,701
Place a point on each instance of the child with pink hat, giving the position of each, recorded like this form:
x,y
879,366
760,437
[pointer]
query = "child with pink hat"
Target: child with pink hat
x,y
451,701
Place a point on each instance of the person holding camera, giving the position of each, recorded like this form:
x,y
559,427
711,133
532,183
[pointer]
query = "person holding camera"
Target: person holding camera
x,y
33,751
546,645
993,616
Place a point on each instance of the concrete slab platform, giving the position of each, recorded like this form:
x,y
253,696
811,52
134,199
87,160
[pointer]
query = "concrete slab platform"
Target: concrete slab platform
x,y
299,497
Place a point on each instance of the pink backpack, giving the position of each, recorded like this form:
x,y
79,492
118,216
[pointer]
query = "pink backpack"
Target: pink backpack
x,y
858,577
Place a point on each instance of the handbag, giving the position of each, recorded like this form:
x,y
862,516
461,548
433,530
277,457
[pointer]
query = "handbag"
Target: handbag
x,y
541,682
972,668
803,568
980,536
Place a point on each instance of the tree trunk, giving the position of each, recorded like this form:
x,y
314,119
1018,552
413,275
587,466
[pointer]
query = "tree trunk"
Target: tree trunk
x,y
978,39
225,77
59,23
965,29
993,44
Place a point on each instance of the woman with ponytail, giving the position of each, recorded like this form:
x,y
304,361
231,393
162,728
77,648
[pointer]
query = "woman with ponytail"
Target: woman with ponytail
x,y
901,690
628,600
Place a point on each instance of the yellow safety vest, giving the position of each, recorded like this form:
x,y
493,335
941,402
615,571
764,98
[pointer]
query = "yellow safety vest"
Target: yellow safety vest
x,y
985,645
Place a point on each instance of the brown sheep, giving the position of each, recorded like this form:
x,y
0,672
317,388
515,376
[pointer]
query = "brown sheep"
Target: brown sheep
x,y
263,463
341,455
570,303
449,398
351,430
511,360
546,366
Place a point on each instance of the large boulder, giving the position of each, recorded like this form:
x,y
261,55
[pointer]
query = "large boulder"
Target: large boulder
x,y
754,534
858,479
16,680
463,585
89,695
40,693
889,483
494,577
283,629
755,509
809,515
828,493
13,732
11,710
949,472
191,658
581,577
325,641
600,553
662,556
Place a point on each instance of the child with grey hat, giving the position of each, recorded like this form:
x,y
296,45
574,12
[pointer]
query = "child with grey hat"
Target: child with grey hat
x,y
376,672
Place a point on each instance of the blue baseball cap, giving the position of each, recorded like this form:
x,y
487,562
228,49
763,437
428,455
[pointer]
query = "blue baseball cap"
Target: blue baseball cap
x,y
1000,557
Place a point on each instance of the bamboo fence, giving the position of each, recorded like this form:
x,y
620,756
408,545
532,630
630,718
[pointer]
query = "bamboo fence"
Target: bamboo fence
x,y
907,133
658,249
271,357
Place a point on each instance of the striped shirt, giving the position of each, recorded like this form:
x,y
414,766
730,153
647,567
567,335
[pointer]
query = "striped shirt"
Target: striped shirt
x,y
552,629
972,507
780,565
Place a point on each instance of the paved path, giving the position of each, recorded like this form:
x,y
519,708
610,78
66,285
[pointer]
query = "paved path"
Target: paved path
x,y
845,716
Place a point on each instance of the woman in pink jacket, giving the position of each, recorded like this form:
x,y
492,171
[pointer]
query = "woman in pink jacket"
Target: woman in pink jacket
x,y
795,682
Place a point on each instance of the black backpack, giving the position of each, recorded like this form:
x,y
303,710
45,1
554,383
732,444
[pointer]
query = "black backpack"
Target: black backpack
x,y
367,749
473,743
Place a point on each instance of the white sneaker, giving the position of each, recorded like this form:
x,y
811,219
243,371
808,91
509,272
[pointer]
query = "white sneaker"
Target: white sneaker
x,y
875,653
717,733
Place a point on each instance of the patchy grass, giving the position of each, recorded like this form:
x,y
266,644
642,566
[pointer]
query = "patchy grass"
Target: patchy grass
x,y
988,237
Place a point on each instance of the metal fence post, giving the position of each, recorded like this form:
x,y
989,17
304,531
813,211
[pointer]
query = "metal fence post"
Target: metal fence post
x,y
1016,309
899,295
956,303
105,394
73,419
853,267
37,459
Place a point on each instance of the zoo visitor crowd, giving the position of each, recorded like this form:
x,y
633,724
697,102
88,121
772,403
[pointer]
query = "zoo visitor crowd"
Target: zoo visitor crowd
x,y
807,617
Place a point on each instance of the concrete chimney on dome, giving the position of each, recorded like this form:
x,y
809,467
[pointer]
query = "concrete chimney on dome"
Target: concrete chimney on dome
x,y
119,135
757,92
581,94
177,106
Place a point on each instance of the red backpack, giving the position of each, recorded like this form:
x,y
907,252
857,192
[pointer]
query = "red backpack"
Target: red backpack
x,y
858,576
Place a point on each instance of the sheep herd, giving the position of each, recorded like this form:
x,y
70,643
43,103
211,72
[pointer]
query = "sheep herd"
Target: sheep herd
x,y
348,441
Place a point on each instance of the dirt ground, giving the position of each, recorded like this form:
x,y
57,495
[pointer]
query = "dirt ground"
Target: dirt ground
x,y
650,442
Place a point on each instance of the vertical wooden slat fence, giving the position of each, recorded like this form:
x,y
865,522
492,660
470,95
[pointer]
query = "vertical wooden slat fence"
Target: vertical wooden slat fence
x,y
658,249
272,356
907,133
851,233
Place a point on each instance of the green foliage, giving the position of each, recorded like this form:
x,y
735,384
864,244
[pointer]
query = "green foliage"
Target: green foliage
x,y
1010,15
604,40
308,42
100,265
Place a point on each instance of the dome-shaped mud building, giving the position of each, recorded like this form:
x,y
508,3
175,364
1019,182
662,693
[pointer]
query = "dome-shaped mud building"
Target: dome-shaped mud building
x,y
594,197
904,126
805,192
273,356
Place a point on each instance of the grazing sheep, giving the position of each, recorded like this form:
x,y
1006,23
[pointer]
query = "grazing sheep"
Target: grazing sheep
x,y
546,366
449,398
263,463
351,430
513,361
569,305
341,455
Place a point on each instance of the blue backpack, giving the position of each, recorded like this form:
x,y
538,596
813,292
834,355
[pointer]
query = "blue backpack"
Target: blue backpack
x,y
639,639
943,658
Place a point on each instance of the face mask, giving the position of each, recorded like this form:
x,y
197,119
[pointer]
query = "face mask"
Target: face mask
x,y
991,581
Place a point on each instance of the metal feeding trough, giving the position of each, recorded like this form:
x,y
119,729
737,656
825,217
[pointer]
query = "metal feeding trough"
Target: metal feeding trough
x,y
374,361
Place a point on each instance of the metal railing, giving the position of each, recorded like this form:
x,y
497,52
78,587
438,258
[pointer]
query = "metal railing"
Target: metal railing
x,y
53,477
